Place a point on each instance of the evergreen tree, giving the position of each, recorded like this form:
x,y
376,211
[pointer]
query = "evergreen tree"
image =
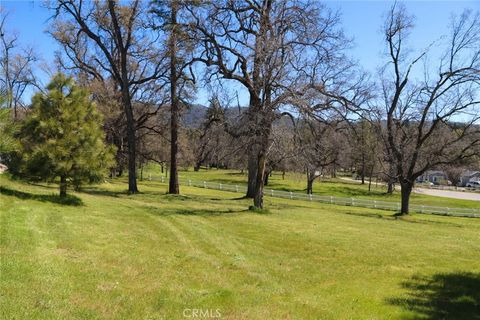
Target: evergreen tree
x,y
7,141
62,137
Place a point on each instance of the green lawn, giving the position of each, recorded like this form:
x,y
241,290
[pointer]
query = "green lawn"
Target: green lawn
x,y
108,255
327,187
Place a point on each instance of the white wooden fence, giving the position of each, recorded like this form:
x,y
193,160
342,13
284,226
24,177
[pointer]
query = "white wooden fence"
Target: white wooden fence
x,y
355,202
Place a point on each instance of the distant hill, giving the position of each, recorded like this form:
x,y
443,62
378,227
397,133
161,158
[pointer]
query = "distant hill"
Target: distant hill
x,y
194,116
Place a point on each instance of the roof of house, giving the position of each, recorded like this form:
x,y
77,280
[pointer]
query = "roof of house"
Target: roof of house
x,y
470,173
435,173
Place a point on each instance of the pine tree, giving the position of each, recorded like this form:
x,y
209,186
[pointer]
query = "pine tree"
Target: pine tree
x,y
7,128
62,137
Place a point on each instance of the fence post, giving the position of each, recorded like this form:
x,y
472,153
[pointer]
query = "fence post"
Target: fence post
x,y
331,199
423,209
375,204
310,196
205,184
353,202
291,195
271,192
220,186
236,188
162,179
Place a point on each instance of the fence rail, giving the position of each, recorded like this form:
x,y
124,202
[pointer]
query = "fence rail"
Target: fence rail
x,y
354,202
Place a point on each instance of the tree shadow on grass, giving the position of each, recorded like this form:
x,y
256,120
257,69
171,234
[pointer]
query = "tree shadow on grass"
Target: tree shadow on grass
x,y
43,185
442,296
192,212
189,197
236,173
100,192
69,200
391,216
370,215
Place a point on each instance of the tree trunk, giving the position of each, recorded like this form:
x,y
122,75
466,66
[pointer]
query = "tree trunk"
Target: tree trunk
x,y
334,170
406,191
309,185
267,175
370,179
119,143
391,180
173,187
258,199
128,108
196,167
63,186
131,132
390,186
266,126
132,155
363,168
252,174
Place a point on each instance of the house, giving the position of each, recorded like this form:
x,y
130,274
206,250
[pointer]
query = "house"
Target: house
x,y
433,176
469,176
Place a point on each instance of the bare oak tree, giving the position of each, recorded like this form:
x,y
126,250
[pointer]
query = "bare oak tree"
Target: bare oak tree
x,y
431,120
272,49
107,40
315,150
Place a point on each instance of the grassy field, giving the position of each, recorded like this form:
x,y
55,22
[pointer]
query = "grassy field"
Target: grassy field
x,y
327,187
108,255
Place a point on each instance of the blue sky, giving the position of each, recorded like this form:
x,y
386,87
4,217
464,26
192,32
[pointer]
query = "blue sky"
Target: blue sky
x,y
361,20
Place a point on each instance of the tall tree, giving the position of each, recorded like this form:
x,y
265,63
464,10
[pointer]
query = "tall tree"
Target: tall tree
x,y
271,48
107,40
62,136
170,18
433,121
174,101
